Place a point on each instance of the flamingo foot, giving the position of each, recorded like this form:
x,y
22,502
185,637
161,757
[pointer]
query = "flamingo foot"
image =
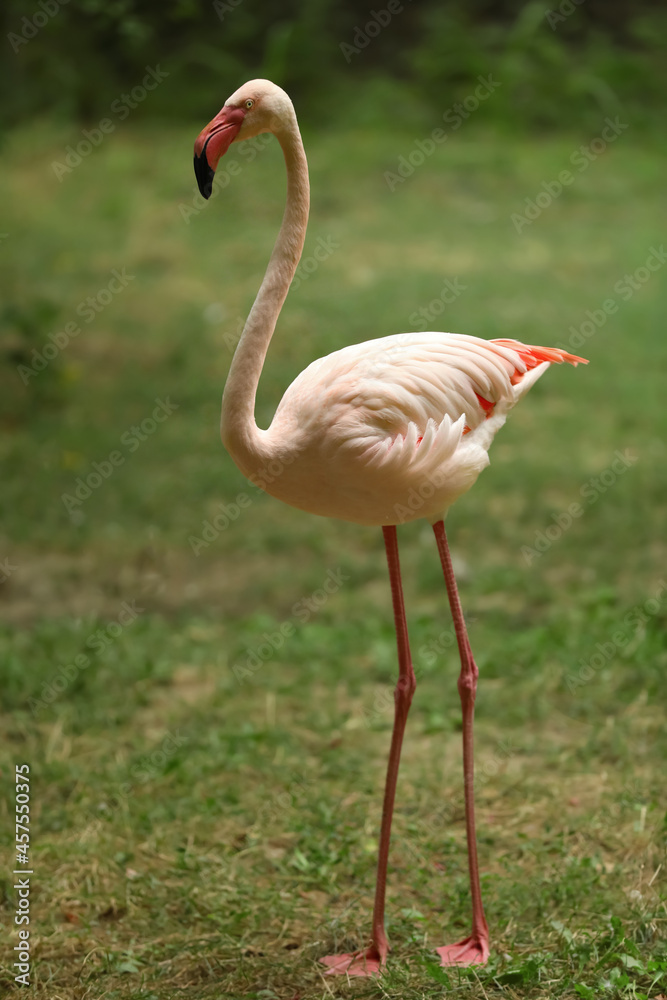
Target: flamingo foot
x,y
357,963
473,950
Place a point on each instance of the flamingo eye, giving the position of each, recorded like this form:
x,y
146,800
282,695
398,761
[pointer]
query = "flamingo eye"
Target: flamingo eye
x,y
249,103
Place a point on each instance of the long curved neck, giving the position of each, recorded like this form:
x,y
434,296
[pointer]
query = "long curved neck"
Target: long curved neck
x,y
238,429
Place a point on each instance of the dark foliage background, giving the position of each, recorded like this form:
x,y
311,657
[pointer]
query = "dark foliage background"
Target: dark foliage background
x,y
559,64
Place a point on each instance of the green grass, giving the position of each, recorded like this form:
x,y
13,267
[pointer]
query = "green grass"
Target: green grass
x,y
202,828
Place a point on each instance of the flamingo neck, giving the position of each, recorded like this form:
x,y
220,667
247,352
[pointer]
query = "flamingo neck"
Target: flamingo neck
x,y
238,429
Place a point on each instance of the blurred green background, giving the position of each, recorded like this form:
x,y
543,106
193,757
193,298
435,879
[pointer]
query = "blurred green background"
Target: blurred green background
x,y
206,793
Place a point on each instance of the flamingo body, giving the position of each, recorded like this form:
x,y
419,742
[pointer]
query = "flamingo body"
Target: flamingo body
x,y
395,429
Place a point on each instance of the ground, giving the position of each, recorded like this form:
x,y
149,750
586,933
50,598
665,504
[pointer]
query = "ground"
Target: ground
x,y
206,776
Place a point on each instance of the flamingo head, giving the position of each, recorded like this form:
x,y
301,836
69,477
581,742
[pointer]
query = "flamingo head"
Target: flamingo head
x,y
258,106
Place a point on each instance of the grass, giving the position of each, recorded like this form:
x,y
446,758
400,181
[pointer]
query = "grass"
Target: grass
x,y
206,793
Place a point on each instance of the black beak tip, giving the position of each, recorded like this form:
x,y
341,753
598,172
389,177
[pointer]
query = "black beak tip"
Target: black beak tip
x,y
204,175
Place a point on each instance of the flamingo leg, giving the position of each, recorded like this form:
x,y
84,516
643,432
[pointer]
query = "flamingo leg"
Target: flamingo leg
x,y
474,949
366,963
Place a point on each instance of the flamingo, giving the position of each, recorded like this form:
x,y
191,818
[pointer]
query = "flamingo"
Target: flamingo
x,y
379,433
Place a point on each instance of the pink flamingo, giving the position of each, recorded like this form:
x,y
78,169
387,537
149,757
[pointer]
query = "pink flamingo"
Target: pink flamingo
x,y
378,434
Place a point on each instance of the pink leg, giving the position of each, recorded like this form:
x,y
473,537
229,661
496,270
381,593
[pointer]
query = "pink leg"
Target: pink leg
x,y
474,949
366,963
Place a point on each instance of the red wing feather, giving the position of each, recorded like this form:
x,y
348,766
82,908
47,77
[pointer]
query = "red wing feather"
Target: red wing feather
x,y
533,356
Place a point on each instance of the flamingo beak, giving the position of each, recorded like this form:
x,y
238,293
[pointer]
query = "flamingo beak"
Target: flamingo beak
x,y
213,142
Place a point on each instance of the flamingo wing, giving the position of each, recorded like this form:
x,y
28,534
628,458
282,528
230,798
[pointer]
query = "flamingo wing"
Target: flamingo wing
x,y
396,386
